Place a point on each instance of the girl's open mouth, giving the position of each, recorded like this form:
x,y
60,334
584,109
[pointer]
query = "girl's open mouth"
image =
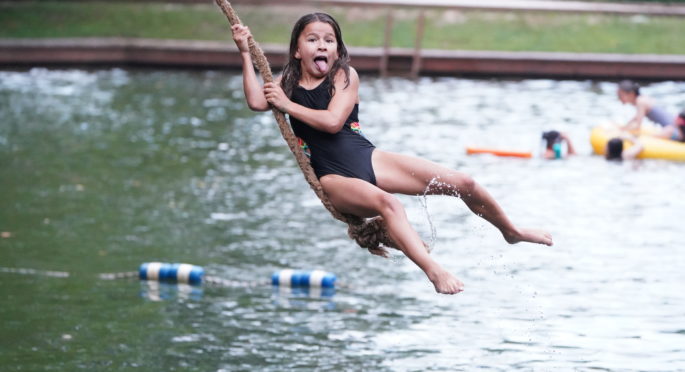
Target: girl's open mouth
x,y
321,63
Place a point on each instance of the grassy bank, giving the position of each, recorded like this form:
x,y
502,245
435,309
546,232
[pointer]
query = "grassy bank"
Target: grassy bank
x,y
471,30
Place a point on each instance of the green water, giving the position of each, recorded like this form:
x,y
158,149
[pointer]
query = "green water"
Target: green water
x,y
103,170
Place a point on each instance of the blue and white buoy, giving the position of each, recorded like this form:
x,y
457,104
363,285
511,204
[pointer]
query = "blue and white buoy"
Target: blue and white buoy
x,y
303,278
171,272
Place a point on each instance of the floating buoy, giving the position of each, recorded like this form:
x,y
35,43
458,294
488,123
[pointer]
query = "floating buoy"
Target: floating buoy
x,y
498,152
303,278
171,272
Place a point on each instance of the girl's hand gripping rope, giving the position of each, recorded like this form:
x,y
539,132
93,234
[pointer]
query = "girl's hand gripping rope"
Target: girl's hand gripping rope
x,y
241,35
276,96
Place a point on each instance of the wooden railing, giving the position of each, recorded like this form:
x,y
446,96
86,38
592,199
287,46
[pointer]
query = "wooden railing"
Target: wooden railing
x,y
383,60
489,5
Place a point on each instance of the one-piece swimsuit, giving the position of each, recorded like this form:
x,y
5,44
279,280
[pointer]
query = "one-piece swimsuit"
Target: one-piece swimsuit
x,y
347,152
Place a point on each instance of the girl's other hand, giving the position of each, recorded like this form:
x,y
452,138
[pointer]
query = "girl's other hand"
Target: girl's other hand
x,y
240,35
276,96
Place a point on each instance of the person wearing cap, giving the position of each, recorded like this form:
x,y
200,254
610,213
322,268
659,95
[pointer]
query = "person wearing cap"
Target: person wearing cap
x,y
553,144
616,151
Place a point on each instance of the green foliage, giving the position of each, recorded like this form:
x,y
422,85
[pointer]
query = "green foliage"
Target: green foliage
x,y
470,30
557,32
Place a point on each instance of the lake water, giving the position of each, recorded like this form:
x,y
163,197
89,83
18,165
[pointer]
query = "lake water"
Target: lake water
x,y
103,170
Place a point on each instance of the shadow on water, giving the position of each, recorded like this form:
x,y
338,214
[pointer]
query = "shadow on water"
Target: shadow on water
x,y
103,170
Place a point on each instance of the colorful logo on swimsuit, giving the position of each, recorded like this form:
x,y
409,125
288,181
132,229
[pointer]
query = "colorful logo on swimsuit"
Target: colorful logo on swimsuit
x,y
304,147
356,128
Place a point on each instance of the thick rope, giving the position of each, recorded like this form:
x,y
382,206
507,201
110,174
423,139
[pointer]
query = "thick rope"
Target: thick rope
x,y
371,233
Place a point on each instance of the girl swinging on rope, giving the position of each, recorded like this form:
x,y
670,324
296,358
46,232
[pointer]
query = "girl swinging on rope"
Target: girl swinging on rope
x,y
319,91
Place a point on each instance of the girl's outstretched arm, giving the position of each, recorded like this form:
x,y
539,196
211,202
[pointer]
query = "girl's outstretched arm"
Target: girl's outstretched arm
x,y
251,86
330,120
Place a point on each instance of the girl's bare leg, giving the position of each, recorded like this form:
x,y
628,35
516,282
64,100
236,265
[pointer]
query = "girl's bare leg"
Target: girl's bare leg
x,y
409,175
360,198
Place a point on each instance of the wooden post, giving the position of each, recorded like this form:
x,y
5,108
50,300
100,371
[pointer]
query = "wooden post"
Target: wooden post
x,y
416,60
386,43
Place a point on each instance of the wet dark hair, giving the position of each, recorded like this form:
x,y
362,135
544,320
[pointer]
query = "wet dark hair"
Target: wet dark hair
x,y
614,149
292,71
682,114
629,86
550,138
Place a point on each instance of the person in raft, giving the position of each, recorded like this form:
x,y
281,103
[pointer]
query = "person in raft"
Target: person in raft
x,y
318,90
553,144
616,151
629,93
675,131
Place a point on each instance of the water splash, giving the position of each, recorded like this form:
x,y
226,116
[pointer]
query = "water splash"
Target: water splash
x,y
443,188
424,204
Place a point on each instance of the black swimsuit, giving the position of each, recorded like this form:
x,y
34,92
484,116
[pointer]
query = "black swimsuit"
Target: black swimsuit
x,y
347,152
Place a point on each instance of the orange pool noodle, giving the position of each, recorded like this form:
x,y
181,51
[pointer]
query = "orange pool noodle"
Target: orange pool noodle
x,y
498,152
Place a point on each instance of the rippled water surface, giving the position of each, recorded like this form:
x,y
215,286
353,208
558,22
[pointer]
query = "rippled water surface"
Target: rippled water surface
x,y
103,170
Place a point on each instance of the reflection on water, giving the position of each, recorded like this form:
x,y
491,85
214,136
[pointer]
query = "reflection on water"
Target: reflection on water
x,y
103,170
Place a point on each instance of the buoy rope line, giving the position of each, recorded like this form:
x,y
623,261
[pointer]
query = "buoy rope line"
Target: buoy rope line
x,y
213,281
283,278
209,280
25,271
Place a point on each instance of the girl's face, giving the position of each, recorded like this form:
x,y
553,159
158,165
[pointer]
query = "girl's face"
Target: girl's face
x,y
317,49
626,97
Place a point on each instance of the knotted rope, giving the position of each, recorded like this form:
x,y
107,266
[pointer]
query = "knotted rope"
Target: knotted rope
x,y
371,233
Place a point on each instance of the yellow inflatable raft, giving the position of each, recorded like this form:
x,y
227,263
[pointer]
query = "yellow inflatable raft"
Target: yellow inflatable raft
x,y
655,148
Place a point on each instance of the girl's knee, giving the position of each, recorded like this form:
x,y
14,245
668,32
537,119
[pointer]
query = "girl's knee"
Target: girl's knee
x,y
464,183
469,183
388,204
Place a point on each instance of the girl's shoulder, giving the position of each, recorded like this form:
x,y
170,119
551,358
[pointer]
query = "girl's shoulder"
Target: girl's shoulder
x,y
342,79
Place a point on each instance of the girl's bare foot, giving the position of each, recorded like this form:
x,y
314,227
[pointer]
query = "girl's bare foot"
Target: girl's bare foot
x,y
445,282
529,235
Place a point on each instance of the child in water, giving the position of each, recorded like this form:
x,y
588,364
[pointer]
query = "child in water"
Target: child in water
x,y
629,92
553,144
319,91
616,151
